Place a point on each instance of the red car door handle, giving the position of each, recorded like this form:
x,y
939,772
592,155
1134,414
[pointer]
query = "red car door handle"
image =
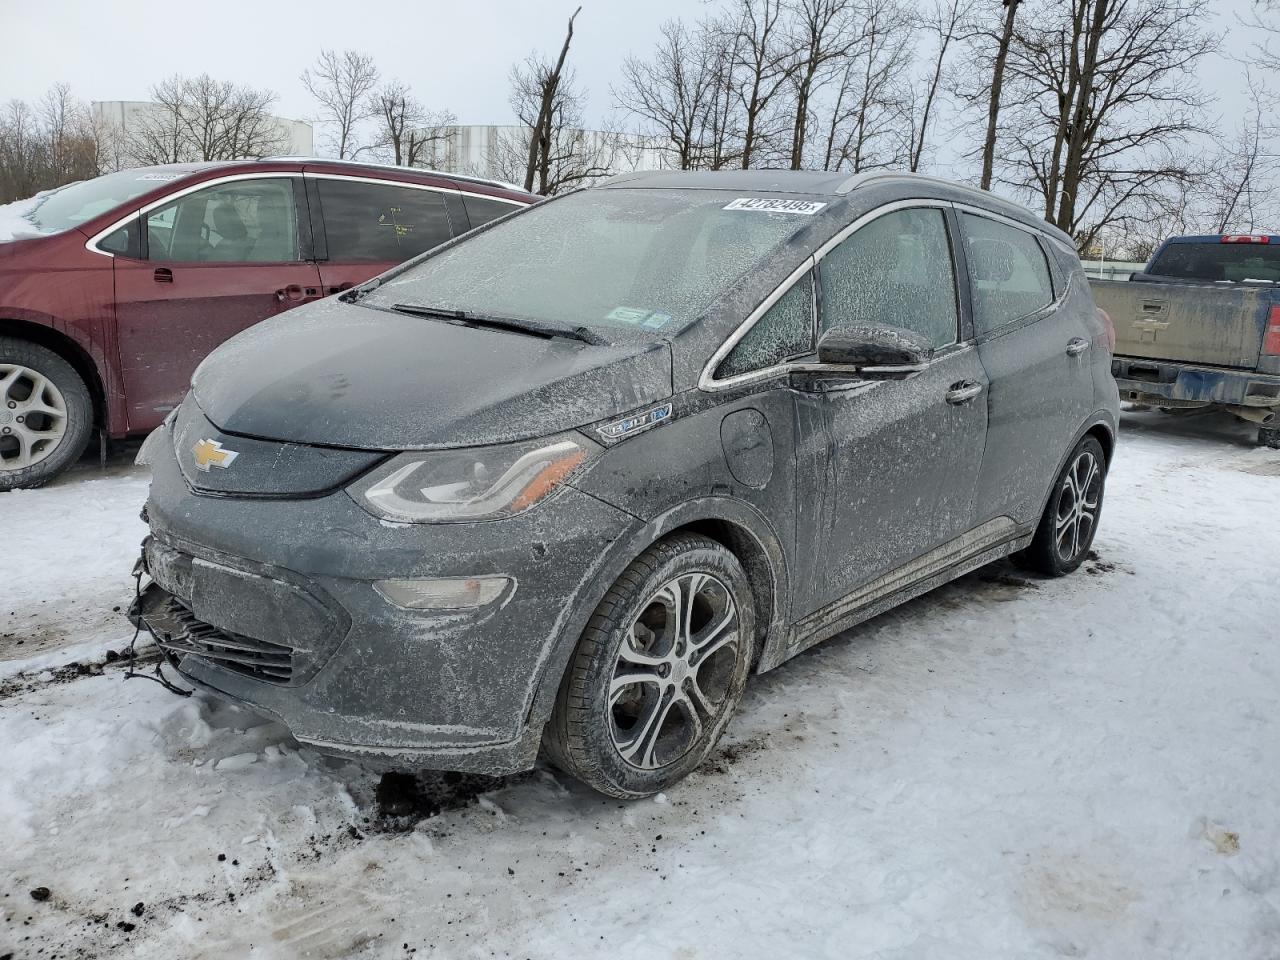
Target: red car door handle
x,y
292,292
163,275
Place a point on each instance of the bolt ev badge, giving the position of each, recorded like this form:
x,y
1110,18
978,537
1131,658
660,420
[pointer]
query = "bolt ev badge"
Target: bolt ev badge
x,y
210,453
629,425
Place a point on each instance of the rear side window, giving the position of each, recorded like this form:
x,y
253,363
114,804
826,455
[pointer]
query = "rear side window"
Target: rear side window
x,y
1217,261
244,221
896,271
379,223
784,332
1009,275
483,209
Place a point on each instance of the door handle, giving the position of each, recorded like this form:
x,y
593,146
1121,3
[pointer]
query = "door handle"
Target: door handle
x,y
963,392
293,292
1077,346
163,275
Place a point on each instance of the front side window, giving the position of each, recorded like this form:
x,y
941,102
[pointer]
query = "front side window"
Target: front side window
x,y
630,263
1008,273
895,271
783,333
244,221
379,223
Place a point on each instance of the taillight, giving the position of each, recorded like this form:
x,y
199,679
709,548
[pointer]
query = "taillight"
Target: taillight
x,y
1111,327
1246,238
1271,341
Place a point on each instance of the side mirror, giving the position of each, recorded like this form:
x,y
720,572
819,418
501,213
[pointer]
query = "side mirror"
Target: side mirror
x,y
872,347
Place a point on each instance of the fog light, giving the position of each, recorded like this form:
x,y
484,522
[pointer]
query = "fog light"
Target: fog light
x,y
446,593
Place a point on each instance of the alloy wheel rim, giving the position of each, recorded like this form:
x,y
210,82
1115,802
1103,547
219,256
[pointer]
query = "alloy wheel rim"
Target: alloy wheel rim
x,y
1077,506
674,670
33,416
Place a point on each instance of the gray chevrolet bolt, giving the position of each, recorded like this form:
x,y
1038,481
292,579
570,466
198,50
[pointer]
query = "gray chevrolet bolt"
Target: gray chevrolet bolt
x,y
562,484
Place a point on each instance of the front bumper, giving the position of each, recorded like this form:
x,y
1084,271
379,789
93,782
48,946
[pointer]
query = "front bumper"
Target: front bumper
x,y
1150,381
271,603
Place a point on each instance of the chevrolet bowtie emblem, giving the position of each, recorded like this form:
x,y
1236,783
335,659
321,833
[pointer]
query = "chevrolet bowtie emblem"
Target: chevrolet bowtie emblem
x,y
210,453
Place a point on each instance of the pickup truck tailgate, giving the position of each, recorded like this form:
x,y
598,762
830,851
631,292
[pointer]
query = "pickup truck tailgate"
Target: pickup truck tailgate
x,y
1213,324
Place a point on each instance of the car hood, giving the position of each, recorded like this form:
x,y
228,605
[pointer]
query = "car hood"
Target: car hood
x,y
339,374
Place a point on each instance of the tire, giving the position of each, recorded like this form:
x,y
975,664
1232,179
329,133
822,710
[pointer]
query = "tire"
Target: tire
x,y
46,414
1269,437
1062,542
664,723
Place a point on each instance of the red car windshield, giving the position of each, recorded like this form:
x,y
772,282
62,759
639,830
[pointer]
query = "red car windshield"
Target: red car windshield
x,y
72,205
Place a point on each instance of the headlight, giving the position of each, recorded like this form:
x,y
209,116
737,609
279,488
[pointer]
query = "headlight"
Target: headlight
x,y
475,483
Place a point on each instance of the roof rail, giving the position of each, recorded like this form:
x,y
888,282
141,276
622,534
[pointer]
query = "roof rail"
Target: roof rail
x,y
374,165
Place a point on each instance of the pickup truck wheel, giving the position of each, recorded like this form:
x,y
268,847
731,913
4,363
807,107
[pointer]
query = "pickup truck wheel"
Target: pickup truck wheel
x,y
658,671
46,414
1070,519
1269,437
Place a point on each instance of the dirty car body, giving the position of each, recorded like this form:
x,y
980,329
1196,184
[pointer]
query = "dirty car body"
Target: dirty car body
x,y
648,351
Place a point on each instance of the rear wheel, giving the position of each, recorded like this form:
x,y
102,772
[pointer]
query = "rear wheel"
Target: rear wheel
x,y
46,414
658,672
1070,519
1269,437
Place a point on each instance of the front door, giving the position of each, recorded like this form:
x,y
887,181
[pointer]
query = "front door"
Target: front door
x,y
216,261
905,454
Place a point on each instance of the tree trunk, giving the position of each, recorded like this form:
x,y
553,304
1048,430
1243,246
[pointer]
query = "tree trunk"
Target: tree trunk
x,y
997,82
541,134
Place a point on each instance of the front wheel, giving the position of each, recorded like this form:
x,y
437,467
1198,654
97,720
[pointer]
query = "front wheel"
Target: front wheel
x,y
1070,519
46,414
658,671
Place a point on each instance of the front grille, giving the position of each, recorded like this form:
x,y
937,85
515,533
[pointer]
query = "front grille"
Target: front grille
x,y
179,632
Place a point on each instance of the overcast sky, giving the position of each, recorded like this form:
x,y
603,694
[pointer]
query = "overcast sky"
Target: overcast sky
x,y
456,55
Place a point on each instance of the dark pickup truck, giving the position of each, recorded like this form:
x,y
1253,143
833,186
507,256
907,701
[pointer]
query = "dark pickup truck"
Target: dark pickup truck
x,y
1199,326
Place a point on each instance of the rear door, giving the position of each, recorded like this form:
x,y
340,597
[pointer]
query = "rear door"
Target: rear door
x,y
905,454
1036,357
366,226
214,261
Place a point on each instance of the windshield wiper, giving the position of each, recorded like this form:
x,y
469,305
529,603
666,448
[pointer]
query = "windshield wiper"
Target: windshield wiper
x,y
533,327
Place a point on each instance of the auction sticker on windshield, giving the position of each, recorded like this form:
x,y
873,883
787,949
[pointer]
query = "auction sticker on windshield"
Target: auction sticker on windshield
x,y
771,205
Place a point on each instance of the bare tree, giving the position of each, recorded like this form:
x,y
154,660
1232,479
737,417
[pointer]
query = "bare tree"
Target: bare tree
x,y
765,59
200,118
48,145
997,86
545,101
341,83
864,122
1105,102
949,23
406,128
683,93
825,34
1240,178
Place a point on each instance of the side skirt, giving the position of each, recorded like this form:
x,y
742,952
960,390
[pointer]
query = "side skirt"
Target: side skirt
x,y
983,544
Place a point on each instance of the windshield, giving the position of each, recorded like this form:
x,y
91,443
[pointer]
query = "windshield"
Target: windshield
x,y
1215,260
641,262
75,203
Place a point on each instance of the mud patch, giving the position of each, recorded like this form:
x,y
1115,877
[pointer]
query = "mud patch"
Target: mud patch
x,y
402,800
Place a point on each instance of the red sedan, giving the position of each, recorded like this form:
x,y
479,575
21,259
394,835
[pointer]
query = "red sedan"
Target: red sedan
x,y
113,290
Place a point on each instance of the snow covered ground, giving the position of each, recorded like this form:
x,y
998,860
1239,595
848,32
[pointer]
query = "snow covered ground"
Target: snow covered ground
x,y
1008,767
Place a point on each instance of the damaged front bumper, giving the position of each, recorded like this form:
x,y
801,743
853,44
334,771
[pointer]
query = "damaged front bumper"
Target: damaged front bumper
x,y
272,604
